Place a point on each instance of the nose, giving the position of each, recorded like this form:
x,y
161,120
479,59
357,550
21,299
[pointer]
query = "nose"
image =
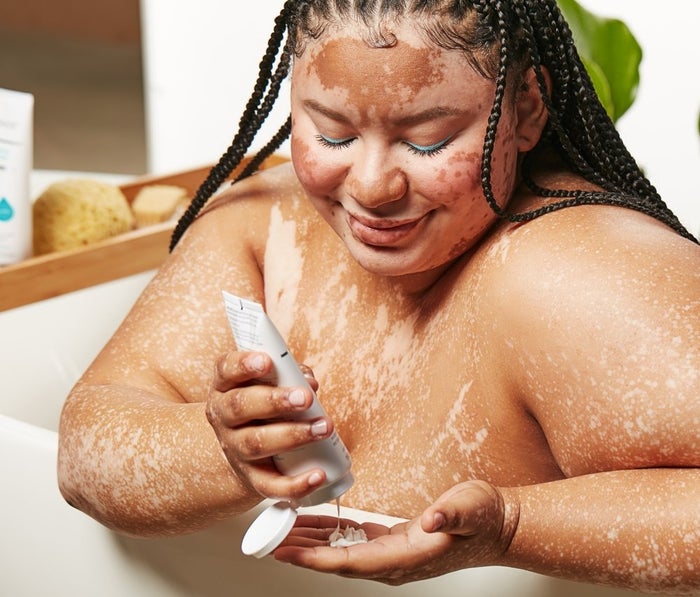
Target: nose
x,y
372,181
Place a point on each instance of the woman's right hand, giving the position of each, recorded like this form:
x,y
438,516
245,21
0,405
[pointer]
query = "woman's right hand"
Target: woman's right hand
x,y
252,423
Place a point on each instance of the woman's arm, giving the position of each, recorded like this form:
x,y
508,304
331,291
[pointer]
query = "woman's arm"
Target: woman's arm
x,y
144,465
135,448
163,434
637,529
610,369
632,529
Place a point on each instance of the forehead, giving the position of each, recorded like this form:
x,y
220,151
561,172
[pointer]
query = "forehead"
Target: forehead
x,y
342,60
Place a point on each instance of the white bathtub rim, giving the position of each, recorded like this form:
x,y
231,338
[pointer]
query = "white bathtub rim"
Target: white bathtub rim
x,y
46,438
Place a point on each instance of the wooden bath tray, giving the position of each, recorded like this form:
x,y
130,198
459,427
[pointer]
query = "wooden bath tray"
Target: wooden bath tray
x,y
133,252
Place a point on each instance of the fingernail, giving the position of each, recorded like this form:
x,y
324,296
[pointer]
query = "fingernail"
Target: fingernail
x,y
255,362
315,478
319,428
438,521
296,398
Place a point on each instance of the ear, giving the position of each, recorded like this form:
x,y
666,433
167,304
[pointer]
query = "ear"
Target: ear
x,y
530,109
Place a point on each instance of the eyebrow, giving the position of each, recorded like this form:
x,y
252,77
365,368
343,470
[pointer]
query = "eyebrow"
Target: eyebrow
x,y
433,113
324,111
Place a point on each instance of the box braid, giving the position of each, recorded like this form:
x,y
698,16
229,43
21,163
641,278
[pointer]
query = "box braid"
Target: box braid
x,y
256,111
578,125
495,36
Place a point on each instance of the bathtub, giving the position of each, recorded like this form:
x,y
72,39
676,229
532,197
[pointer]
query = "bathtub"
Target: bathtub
x,y
48,548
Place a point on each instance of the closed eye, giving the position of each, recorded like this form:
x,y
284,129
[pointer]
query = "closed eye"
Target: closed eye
x,y
334,143
422,150
428,150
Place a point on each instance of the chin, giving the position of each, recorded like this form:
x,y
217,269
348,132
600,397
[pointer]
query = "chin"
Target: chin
x,y
391,263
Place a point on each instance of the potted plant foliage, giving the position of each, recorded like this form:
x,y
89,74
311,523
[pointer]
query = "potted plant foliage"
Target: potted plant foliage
x,y
610,53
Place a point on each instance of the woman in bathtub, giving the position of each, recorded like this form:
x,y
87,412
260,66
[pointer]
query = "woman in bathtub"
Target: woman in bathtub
x,y
502,316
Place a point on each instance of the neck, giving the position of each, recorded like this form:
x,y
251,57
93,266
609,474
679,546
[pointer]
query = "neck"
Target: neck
x,y
420,286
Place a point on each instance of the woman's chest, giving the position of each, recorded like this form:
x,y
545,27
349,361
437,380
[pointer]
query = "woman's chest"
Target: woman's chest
x,y
415,394
415,386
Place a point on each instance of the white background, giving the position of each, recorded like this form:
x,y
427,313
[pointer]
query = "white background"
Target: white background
x,y
201,61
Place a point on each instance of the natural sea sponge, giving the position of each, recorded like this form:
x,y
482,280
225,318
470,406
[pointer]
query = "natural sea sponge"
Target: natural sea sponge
x,y
77,212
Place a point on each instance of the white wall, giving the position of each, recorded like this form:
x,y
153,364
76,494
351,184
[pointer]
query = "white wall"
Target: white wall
x,y
201,60
200,64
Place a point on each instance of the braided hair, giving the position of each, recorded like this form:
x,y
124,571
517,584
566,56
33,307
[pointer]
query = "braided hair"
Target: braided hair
x,y
495,36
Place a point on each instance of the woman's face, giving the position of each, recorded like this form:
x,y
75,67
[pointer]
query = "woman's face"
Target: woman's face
x,y
387,143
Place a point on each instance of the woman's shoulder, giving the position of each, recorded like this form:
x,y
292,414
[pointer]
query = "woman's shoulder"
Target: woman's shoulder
x,y
583,231
602,233
556,258
595,244
275,185
243,210
237,224
573,305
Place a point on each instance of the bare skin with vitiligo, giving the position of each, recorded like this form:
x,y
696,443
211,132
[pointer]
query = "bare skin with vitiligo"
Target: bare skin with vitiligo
x,y
523,394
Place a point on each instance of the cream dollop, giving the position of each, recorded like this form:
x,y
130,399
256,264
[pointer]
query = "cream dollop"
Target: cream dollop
x,y
347,537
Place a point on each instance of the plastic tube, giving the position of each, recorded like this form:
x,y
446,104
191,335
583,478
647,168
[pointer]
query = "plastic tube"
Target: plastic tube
x,y
16,129
254,331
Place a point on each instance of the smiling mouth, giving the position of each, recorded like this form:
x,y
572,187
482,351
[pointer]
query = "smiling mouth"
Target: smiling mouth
x,y
383,233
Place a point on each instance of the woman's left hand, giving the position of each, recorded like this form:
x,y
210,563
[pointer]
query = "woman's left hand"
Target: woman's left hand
x,y
469,525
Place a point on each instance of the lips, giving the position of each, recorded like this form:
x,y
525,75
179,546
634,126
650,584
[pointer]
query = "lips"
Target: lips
x,y
383,232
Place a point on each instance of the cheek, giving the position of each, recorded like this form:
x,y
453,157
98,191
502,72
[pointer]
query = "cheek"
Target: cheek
x,y
305,163
459,184
459,175
316,174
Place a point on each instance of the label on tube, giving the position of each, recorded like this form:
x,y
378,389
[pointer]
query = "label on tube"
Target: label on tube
x,y
16,127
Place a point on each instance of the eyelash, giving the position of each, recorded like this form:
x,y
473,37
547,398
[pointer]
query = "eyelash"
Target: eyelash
x,y
419,150
428,150
334,143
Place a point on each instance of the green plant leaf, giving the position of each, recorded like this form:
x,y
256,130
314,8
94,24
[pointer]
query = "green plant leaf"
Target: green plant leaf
x,y
619,55
610,54
583,24
601,85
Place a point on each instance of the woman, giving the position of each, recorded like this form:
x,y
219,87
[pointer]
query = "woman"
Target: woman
x,y
518,379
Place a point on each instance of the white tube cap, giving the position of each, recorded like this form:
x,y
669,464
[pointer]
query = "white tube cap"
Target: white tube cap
x,y
269,530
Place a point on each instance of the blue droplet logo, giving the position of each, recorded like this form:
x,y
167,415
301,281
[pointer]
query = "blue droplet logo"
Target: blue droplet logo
x,y
6,211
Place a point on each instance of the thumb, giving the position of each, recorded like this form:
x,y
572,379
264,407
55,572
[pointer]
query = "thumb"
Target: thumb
x,y
465,509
